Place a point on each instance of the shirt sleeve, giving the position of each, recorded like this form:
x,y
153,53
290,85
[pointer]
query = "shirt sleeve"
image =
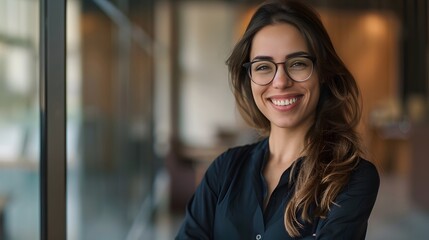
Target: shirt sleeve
x,y
200,211
348,218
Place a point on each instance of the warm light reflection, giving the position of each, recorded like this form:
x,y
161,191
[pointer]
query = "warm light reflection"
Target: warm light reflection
x,y
244,21
374,25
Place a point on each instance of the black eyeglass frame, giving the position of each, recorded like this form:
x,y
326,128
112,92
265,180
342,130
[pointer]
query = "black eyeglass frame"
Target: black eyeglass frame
x,y
248,64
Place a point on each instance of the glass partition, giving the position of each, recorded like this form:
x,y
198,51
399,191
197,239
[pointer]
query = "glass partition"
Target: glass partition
x,y
19,119
109,118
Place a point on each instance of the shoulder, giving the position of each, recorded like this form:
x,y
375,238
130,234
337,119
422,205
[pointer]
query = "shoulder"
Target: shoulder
x,y
250,147
230,163
348,216
364,179
238,153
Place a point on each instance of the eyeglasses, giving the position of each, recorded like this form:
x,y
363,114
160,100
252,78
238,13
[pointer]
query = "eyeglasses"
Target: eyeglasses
x,y
262,72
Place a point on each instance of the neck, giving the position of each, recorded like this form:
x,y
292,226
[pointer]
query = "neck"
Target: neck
x,y
286,145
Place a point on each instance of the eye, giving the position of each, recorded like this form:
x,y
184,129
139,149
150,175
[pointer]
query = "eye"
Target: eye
x,y
262,67
298,64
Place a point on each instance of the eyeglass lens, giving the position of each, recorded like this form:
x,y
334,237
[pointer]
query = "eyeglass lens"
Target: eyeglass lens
x,y
263,72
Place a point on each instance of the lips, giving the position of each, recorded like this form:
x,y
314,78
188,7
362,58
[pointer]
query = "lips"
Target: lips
x,y
281,102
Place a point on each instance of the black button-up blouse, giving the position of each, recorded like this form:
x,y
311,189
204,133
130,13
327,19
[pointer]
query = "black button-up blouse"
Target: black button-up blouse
x,y
228,203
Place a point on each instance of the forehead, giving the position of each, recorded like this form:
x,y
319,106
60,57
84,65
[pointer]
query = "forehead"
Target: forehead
x,y
277,41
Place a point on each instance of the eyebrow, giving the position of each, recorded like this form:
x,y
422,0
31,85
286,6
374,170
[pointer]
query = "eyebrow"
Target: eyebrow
x,y
291,55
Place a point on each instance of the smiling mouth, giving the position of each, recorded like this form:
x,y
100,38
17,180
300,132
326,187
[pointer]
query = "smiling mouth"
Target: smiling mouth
x,y
284,102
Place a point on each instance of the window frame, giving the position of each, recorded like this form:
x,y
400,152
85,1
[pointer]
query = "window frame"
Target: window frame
x,y
53,119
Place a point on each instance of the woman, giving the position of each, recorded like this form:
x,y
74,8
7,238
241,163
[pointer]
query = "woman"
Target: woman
x,y
306,179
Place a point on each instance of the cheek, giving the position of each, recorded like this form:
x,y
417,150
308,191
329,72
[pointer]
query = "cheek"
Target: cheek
x,y
257,95
258,101
315,86
314,90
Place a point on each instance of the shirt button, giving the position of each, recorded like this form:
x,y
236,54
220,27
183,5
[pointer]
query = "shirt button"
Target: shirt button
x,y
258,237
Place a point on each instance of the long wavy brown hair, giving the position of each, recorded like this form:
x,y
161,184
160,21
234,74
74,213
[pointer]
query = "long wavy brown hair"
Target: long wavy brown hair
x,y
333,146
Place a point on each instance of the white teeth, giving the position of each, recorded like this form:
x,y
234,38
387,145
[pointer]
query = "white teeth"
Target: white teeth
x,y
284,102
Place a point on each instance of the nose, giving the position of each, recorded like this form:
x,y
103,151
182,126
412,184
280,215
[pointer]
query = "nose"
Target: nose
x,y
281,79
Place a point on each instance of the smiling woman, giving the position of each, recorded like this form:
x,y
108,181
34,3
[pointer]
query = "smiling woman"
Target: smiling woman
x,y
291,98
306,178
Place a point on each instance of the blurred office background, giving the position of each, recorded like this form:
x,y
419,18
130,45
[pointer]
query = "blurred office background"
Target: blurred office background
x,y
149,106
